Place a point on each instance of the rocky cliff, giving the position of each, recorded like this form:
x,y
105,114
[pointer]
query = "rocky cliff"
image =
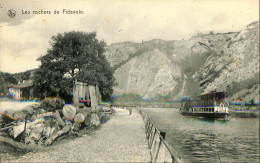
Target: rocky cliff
x,y
234,65
186,67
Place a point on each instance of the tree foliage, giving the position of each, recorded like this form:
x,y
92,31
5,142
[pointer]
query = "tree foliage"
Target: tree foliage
x,y
6,79
74,55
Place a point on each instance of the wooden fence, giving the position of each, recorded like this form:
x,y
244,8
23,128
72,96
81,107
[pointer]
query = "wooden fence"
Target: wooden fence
x,y
161,151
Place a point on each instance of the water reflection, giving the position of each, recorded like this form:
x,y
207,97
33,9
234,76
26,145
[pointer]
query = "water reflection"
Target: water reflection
x,y
208,120
206,140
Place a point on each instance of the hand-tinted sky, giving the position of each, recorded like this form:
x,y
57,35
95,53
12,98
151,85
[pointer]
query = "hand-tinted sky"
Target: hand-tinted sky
x,y
26,37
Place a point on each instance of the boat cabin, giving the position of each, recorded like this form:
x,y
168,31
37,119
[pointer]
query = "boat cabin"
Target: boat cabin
x,y
205,103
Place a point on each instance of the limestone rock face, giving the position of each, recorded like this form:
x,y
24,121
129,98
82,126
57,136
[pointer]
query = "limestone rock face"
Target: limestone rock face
x,y
147,75
206,62
117,53
236,61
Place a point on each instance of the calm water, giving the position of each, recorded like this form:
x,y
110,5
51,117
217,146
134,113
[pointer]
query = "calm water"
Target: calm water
x,y
200,140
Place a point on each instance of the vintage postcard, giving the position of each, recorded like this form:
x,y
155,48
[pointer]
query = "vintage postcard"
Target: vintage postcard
x,y
129,81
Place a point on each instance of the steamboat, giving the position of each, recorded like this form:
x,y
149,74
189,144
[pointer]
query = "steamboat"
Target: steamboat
x,y
209,105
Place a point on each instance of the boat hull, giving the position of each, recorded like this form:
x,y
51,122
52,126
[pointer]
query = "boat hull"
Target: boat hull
x,y
207,115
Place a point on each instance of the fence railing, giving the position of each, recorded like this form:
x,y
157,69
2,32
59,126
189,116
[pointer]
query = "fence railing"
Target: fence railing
x,y
161,151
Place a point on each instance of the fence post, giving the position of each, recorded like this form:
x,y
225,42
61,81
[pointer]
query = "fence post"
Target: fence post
x,y
146,125
155,146
160,149
152,135
161,153
148,130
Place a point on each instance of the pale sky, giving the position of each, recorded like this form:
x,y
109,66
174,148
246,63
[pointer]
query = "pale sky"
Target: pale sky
x,y
26,37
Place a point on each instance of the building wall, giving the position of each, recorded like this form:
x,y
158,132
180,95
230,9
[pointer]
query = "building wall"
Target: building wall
x,y
21,94
15,93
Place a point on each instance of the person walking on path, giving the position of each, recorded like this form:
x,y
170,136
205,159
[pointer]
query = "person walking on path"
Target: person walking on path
x,y
130,110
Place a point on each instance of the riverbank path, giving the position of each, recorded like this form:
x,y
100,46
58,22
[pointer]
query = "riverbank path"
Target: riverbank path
x,y
121,139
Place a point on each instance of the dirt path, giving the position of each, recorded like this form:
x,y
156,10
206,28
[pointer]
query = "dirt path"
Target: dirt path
x,y
122,139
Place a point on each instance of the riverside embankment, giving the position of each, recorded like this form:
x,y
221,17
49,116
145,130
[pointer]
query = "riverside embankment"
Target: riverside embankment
x,y
201,140
121,139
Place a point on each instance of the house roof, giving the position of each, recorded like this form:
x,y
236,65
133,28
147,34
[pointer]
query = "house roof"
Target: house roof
x,y
25,84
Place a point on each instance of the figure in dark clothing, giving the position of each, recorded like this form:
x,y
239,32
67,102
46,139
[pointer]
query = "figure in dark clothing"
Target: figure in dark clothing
x,y
130,110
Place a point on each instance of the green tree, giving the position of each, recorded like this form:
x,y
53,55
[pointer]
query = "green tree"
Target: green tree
x,y
6,79
74,55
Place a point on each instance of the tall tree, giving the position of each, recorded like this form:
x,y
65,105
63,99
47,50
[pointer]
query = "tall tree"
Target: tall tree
x,y
74,55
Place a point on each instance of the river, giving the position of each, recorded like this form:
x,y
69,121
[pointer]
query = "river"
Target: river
x,y
201,140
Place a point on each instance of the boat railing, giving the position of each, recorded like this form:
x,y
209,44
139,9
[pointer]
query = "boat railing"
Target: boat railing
x,y
161,151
